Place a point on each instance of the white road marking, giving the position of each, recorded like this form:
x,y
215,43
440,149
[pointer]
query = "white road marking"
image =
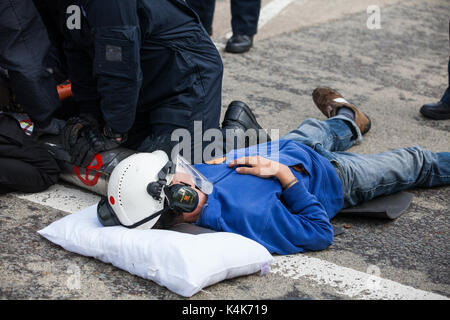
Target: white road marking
x,y
63,198
271,10
268,12
346,281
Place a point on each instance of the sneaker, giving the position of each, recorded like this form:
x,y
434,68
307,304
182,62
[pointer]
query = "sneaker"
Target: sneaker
x,y
329,101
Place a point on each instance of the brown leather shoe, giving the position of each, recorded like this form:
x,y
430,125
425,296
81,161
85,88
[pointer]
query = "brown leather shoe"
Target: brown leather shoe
x,y
329,101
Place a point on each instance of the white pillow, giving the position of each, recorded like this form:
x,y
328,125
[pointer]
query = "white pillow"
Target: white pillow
x,y
184,263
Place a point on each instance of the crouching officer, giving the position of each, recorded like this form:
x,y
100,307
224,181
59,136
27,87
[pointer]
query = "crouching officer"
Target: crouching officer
x,y
24,65
139,70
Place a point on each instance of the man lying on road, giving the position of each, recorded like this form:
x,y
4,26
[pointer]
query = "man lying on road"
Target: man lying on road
x,y
282,194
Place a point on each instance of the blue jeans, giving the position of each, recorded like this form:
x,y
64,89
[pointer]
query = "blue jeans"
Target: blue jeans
x,y
365,177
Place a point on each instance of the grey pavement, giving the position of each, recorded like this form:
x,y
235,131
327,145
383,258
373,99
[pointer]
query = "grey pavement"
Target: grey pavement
x,y
389,73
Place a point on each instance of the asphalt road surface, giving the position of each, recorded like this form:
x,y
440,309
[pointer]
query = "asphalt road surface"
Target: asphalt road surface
x,y
389,72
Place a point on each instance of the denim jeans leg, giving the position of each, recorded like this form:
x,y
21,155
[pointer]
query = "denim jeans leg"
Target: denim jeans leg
x,y
334,134
368,176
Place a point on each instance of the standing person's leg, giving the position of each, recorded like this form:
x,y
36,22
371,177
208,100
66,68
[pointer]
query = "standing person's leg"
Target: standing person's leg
x,y
446,97
365,177
244,22
205,10
440,110
245,16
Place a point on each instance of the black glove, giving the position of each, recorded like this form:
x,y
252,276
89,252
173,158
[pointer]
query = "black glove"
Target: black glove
x,y
72,129
93,141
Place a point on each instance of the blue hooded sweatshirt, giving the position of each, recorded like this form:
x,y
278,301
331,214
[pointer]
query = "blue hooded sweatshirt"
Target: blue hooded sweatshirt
x,y
285,222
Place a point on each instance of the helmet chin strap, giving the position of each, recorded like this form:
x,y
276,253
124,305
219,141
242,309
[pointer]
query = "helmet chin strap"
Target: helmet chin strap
x,y
153,216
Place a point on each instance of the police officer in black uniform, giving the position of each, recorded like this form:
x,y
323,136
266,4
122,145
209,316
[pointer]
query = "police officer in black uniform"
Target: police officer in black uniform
x,y
24,52
144,69
244,21
141,69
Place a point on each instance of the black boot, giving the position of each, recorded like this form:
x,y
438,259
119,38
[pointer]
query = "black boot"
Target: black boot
x,y
238,120
239,43
436,111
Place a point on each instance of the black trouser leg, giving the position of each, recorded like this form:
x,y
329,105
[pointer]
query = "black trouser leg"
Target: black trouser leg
x,y
245,15
18,175
446,96
205,10
24,47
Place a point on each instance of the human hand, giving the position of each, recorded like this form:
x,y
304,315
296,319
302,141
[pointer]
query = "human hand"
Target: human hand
x,y
73,128
257,166
264,168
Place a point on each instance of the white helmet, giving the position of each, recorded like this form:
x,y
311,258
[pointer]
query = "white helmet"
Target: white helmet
x,y
139,190
127,190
